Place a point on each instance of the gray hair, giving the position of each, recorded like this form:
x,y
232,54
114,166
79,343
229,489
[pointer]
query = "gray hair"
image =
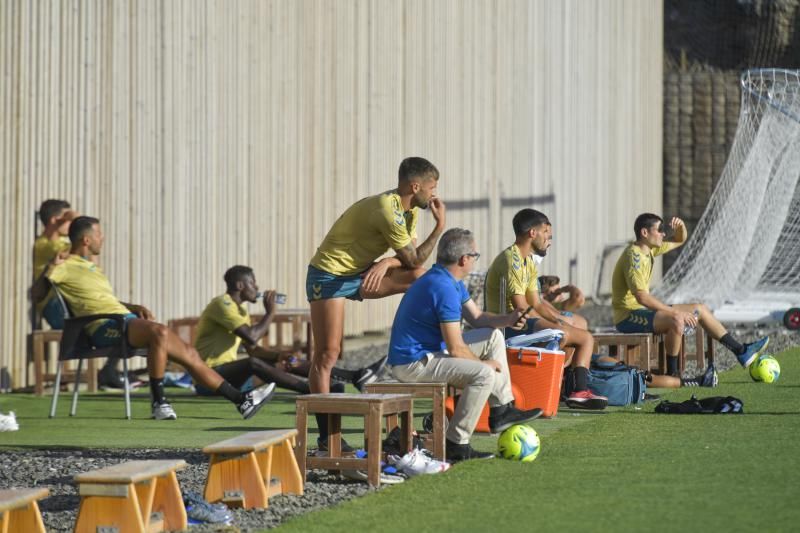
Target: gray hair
x,y
455,243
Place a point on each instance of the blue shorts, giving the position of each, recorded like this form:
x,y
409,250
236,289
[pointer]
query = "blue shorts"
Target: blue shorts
x,y
108,333
639,321
321,285
530,327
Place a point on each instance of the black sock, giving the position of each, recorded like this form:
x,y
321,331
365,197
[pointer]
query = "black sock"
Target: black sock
x,y
672,365
732,344
322,424
230,392
157,390
581,378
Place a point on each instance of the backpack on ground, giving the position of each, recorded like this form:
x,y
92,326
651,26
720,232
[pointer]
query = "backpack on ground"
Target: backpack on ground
x,y
714,405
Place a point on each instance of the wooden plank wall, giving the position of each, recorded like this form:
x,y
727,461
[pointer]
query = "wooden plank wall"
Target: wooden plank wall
x,y
206,133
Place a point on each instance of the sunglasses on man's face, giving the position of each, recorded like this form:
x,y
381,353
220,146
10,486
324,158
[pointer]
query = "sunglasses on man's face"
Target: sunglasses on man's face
x,y
476,255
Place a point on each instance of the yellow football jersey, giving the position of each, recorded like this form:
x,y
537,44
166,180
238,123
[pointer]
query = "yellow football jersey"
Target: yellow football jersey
x,y
365,232
43,251
86,289
510,274
632,272
216,341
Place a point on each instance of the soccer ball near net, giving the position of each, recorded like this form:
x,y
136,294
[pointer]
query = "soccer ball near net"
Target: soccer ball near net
x,y
518,443
766,369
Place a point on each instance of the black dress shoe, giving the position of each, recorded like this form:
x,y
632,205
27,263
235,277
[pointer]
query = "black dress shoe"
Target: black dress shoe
x,y
463,452
505,416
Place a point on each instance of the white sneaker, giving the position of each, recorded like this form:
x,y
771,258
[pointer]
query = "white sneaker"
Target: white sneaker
x,y
8,422
415,463
255,399
163,411
361,475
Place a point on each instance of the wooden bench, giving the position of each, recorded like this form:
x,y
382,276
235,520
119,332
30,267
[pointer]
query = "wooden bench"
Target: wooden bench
x,y
437,393
299,321
247,470
634,349
39,339
373,407
124,496
20,512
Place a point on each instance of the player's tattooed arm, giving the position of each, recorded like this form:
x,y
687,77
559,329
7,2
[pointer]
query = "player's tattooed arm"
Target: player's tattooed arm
x,y
412,257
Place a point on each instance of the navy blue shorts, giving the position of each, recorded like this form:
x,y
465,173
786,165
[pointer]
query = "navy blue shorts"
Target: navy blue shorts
x,y
639,321
108,333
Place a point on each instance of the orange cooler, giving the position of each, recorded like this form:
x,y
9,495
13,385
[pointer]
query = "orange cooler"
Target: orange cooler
x,y
537,374
535,382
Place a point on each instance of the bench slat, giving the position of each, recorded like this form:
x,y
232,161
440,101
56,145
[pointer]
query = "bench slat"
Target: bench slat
x,y
131,471
251,442
15,498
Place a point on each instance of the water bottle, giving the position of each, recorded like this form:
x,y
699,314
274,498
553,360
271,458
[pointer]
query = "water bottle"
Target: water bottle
x,y
280,298
687,329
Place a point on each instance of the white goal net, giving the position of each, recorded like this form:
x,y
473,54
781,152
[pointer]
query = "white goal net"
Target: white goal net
x,y
747,244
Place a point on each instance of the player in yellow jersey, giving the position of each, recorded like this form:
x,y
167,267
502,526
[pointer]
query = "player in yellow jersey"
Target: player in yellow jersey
x,y
225,325
512,283
56,216
87,291
345,265
636,310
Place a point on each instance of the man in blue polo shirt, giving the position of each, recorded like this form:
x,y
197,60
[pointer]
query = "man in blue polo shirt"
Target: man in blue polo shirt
x,y
427,345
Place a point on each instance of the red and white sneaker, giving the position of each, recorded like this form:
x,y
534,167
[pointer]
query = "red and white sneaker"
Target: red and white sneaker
x,y
586,399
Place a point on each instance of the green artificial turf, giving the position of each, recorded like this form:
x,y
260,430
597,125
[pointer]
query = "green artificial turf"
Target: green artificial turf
x,y
625,470
630,470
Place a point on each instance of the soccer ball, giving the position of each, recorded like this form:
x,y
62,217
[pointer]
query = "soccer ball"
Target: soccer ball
x,y
518,443
766,369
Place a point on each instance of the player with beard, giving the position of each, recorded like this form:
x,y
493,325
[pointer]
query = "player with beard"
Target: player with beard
x,y
512,284
345,265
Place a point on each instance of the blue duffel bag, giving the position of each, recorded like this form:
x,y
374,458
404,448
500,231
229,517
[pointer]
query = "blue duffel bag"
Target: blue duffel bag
x,y
620,383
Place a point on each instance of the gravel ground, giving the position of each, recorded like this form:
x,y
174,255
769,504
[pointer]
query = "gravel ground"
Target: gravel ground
x,y
56,468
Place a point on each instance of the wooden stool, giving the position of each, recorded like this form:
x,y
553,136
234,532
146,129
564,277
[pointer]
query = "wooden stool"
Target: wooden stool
x,y
124,496
630,347
436,392
247,470
373,407
19,510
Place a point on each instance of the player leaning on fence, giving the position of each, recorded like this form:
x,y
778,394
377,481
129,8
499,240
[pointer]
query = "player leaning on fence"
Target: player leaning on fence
x,y
638,311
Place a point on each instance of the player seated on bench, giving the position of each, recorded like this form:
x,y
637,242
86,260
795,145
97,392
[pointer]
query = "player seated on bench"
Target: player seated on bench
x,y
225,324
638,311
512,283
56,216
427,345
87,291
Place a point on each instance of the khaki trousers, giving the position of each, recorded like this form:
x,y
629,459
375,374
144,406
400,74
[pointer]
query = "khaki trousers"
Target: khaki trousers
x,y
477,381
